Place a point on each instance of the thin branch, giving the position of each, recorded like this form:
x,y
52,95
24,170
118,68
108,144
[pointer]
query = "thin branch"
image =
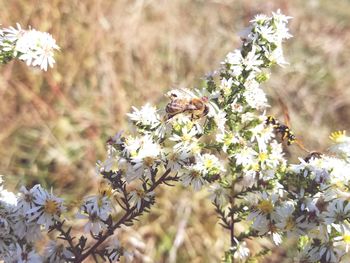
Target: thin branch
x,y
129,216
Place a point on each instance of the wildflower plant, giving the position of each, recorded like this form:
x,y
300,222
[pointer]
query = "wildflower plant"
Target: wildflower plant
x,y
217,137
33,47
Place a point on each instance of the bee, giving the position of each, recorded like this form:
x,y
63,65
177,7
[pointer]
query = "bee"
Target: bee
x,y
312,155
197,107
282,129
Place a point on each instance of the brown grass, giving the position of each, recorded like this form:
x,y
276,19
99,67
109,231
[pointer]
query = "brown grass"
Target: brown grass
x,y
115,54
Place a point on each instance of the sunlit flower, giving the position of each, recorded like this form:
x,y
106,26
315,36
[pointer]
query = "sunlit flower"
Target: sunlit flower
x,y
146,116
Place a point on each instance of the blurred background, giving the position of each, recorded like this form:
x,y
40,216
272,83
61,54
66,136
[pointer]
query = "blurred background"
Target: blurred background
x,y
115,54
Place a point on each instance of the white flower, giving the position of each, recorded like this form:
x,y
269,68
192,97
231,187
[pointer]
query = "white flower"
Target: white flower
x,y
285,218
278,16
255,96
330,254
344,237
220,120
139,196
245,156
12,34
262,134
218,194
26,198
276,155
8,198
147,116
4,227
337,212
57,253
267,32
209,164
227,139
97,210
174,159
341,145
249,178
100,205
236,107
186,141
192,175
241,251
47,209
259,18
20,254
234,61
131,145
252,61
34,47
277,56
147,157
115,251
226,86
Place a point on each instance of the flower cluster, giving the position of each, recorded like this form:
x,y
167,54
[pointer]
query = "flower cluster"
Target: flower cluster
x,y
216,137
33,47
23,217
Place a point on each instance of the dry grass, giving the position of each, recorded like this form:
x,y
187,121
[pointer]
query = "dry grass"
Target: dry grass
x,y
115,54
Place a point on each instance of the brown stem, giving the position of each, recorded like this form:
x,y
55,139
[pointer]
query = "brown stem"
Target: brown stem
x,y
67,236
232,226
128,216
232,229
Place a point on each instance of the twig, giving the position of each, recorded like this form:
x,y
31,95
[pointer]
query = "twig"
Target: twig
x,y
129,216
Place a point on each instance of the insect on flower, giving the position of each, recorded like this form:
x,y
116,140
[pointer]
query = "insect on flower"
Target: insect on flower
x,y
282,129
197,107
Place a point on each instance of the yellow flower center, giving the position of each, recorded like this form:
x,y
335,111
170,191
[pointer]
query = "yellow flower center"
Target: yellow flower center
x,y
290,223
186,137
265,206
338,136
208,163
51,207
256,167
105,189
262,157
148,161
346,238
195,174
140,193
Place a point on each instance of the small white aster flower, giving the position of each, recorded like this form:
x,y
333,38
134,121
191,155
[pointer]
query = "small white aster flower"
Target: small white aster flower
x,y
234,61
241,251
192,175
138,196
8,198
252,61
146,116
47,209
255,96
96,210
19,254
100,205
245,156
341,145
226,86
176,160
218,194
57,253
